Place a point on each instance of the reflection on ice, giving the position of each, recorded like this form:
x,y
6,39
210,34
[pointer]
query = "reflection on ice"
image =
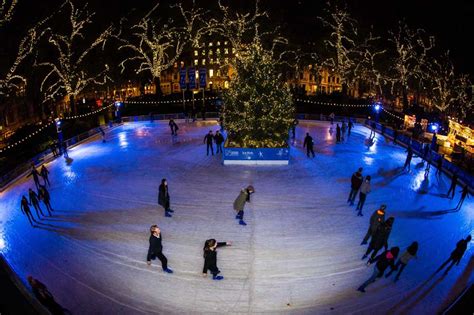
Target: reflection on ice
x,y
123,139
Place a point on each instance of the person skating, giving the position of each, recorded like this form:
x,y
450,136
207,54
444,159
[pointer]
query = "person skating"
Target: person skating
x,y
164,197
45,174
439,165
218,139
376,219
349,125
239,203
380,238
464,194
25,209
408,159
364,190
456,255
384,260
208,140
35,174
43,195
338,133
155,250
35,203
356,182
331,117
343,130
210,258
293,129
308,143
41,292
403,260
173,127
452,188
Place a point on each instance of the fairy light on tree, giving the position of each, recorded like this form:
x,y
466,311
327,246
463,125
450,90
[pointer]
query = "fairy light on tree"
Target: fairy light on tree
x,y
68,71
157,46
6,11
258,109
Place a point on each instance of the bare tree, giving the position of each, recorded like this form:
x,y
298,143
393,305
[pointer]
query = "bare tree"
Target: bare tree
x,y
410,57
68,70
464,95
6,11
342,46
158,46
443,81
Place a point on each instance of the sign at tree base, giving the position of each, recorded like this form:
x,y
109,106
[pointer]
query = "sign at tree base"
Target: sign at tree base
x,y
256,156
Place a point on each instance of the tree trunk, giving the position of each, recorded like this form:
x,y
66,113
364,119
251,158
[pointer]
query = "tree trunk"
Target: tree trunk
x,y
405,98
157,83
72,105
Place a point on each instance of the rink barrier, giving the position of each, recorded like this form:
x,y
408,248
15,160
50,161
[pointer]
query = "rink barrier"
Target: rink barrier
x,y
417,146
256,156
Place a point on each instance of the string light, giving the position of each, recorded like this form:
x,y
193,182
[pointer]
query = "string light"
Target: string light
x,y
10,146
333,104
170,102
393,115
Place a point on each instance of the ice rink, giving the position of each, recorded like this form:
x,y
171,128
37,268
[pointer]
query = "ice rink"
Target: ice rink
x,y
300,252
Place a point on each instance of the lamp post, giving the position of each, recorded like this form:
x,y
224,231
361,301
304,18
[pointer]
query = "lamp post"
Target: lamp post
x,y
59,131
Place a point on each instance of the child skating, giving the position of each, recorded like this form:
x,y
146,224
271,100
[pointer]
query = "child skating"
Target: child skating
x,y
239,203
210,258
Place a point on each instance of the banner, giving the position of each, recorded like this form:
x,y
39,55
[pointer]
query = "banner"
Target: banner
x,y
182,78
192,78
202,77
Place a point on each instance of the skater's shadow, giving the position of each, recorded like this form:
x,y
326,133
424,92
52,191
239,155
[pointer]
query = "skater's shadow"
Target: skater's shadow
x,y
420,214
389,176
461,283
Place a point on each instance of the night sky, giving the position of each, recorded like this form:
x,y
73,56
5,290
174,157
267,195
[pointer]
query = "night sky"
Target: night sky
x,y
451,22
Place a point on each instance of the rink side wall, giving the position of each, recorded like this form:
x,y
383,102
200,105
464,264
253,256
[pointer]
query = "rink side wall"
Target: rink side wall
x,y
260,156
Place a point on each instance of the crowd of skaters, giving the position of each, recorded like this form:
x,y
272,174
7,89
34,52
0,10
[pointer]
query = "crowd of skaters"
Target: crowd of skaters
x,y
34,197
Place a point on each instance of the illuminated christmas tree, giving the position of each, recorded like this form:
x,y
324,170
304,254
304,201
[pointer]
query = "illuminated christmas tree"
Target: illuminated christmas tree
x,y
258,110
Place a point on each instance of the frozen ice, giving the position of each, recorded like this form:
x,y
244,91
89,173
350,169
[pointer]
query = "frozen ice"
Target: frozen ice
x,y
300,252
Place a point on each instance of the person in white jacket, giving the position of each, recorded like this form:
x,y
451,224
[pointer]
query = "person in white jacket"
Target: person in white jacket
x,y
364,190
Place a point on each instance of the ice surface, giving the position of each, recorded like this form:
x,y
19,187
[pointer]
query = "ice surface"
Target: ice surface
x,y
300,252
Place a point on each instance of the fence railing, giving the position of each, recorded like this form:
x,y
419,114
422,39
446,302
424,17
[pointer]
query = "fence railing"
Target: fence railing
x,y
463,175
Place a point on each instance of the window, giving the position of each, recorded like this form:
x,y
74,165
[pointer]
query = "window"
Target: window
x,y
211,73
226,84
218,51
211,61
226,51
218,72
337,80
204,62
210,44
217,61
233,50
210,53
196,62
226,60
218,43
203,52
196,53
225,43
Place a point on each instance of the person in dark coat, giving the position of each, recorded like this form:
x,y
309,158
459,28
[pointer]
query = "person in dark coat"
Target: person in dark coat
x,y
156,249
218,139
171,124
210,258
35,174
164,197
34,201
41,292
464,194
456,254
239,203
379,239
208,140
452,188
376,219
409,157
25,209
45,173
308,143
293,129
409,254
338,133
439,165
43,195
384,260
349,125
356,182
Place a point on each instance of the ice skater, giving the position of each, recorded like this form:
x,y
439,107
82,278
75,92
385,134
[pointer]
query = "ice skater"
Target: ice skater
x,y
174,127
102,133
210,258
164,197
439,166
408,159
384,260
364,191
464,194
293,129
155,250
402,262
356,182
343,130
208,140
379,239
452,188
239,203
338,133
25,209
428,167
456,255
43,195
218,139
45,173
308,143
35,174
371,139
331,117
376,219
35,202
349,125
